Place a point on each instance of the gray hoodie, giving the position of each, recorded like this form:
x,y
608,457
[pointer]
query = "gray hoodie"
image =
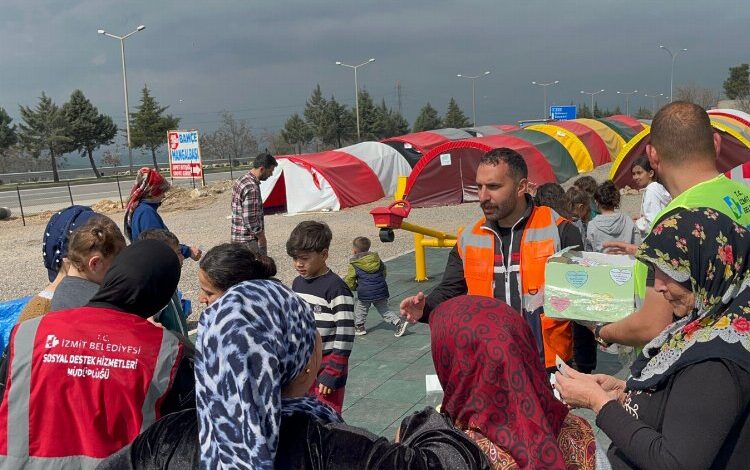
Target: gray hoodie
x,y
610,227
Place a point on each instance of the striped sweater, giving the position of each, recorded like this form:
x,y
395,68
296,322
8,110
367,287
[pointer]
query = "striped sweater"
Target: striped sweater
x,y
333,303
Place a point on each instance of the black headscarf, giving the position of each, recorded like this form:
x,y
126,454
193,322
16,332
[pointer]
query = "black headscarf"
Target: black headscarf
x,y
707,252
141,280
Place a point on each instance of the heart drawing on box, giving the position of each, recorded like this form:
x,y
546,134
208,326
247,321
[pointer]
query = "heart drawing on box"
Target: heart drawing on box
x,y
620,276
577,278
560,304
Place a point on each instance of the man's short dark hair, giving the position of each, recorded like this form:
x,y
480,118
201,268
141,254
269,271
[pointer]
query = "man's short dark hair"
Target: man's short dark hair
x,y
309,236
586,183
607,196
160,234
682,131
264,160
510,157
362,244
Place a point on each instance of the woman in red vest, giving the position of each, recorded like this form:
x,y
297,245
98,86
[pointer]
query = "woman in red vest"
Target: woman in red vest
x,y
82,383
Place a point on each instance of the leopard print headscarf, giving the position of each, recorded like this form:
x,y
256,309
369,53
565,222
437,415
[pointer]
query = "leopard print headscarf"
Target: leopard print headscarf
x,y
251,342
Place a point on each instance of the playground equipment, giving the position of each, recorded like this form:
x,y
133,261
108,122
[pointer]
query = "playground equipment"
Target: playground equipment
x,y
391,218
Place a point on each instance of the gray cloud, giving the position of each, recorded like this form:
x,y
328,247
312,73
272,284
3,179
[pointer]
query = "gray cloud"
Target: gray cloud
x,y
262,59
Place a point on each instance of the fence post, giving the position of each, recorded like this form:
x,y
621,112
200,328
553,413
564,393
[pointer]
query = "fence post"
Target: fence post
x,y
70,193
20,204
119,191
192,176
231,164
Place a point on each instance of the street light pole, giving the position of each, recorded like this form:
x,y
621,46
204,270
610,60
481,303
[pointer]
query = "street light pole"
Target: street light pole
x,y
627,99
671,75
653,102
473,95
545,113
356,88
125,86
592,93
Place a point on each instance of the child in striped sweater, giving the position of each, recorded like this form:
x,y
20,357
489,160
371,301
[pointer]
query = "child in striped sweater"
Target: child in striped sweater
x,y
332,302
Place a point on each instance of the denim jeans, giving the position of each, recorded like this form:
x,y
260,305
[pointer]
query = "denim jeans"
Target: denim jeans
x,y
361,308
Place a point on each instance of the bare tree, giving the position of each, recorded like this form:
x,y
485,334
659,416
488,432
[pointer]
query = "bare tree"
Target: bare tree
x,y
275,143
693,93
233,140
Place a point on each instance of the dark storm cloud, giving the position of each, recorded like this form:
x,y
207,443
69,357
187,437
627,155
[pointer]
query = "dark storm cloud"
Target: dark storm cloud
x,y
262,59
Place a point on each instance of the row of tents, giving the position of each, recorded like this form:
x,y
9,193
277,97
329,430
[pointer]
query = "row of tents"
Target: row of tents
x,y
441,164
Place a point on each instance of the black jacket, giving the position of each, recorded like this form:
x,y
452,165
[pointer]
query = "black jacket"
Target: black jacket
x,y
428,441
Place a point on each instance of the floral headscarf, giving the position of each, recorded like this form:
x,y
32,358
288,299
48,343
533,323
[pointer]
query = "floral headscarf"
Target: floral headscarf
x,y
149,183
251,342
486,360
709,253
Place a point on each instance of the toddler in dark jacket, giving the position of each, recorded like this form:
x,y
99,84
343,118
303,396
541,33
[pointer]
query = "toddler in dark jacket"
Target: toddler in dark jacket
x,y
366,275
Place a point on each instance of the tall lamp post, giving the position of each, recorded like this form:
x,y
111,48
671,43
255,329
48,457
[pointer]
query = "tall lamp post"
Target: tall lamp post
x,y
356,87
545,114
125,86
473,99
627,99
653,102
592,93
671,75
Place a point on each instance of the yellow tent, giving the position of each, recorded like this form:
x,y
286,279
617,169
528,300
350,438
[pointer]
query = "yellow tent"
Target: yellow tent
x,y
611,139
572,144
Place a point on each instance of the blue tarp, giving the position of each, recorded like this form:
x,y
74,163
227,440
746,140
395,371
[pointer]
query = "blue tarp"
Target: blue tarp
x,y
10,310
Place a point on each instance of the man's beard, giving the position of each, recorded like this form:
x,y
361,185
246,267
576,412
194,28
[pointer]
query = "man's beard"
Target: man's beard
x,y
497,212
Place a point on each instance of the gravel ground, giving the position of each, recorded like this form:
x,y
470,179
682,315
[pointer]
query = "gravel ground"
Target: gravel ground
x,y
24,273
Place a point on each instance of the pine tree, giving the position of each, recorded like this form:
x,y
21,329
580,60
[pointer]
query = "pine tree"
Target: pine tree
x,y
597,113
315,114
737,85
45,128
584,111
297,132
150,125
616,111
428,119
369,121
390,122
88,129
340,124
454,117
8,136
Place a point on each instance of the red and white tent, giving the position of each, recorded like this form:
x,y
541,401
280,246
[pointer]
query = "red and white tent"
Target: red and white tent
x,y
335,179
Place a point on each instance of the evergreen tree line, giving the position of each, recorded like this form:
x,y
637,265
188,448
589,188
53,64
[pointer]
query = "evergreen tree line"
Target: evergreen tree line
x,y
326,123
50,130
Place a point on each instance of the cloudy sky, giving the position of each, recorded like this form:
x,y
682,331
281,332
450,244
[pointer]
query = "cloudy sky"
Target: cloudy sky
x,y
260,60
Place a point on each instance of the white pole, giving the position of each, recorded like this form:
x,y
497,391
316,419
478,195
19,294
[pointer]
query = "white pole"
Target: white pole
x,y
127,109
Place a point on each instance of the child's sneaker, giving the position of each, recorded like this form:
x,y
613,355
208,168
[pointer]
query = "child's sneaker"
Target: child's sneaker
x,y
400,328
360,330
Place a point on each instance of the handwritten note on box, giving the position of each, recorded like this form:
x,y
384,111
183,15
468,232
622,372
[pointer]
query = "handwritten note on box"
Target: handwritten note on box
x,y
588,286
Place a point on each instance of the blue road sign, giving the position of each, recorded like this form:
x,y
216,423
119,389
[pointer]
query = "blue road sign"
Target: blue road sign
x,y
562,113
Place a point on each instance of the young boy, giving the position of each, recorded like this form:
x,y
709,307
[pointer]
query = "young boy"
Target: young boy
x,y
333,303
366,275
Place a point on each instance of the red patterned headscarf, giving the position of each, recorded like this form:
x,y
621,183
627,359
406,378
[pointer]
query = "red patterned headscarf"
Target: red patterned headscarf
x,y
149,183
488,365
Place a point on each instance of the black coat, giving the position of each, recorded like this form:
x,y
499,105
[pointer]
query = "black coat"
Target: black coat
x,y
428,441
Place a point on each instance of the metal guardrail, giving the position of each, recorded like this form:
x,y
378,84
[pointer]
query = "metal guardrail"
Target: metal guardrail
x,y
25,201
79,173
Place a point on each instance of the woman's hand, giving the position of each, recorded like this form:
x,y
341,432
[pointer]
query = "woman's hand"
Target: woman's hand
x,y
619,248
614,387
195,253
582,390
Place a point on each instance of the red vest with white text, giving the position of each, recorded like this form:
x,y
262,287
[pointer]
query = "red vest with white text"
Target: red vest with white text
x,y
81,385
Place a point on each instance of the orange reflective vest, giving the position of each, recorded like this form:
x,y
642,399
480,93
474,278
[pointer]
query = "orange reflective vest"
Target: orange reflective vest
x,y
541,239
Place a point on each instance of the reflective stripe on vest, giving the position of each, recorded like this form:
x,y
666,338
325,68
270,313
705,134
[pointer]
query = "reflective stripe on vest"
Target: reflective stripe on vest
x,y
729,197
541,239
19,396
